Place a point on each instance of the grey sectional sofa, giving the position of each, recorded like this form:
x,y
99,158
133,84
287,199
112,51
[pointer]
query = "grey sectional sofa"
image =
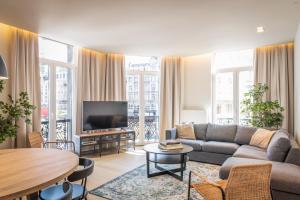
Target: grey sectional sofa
x,y
228,145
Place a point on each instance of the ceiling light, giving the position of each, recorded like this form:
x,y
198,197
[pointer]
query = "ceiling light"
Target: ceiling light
x,y
260,29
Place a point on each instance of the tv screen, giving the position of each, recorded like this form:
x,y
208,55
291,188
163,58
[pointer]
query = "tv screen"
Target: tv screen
x,y
98,115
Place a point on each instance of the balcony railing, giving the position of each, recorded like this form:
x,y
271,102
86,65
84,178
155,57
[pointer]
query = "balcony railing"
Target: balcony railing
x,y
151,126
63,129
227,121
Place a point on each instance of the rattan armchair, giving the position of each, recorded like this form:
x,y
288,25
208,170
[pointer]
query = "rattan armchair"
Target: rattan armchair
x,y
245,182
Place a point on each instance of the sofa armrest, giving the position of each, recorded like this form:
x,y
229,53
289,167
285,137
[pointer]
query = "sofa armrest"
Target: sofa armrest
x,y
171,134
293,155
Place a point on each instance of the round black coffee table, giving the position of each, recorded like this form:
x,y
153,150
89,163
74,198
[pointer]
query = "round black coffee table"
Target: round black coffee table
x,y
157,156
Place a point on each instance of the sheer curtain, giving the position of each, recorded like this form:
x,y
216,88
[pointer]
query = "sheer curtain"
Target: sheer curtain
x,y
100,77
170,93
25,76
274,65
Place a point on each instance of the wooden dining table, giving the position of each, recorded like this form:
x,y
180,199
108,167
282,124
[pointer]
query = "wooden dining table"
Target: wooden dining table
x,y
27,171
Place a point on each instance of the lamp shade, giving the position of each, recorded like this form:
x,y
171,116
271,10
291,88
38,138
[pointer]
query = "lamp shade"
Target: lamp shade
x,y
3,70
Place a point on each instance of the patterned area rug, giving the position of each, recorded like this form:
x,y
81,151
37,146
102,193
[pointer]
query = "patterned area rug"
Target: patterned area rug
x,y
134,185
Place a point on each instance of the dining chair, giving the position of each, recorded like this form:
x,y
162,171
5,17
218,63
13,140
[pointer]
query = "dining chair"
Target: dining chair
x,y
79,190
245,182
62,192
36,140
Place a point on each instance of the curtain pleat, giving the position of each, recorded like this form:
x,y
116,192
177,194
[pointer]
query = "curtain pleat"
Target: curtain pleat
x,y
100,77
170,93
274,65
25,76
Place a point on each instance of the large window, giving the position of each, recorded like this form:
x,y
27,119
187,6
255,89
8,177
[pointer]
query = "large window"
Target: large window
x,y
232,78
143,97
56,72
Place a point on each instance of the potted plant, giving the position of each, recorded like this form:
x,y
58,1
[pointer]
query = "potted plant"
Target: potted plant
x,y
12,111
263,114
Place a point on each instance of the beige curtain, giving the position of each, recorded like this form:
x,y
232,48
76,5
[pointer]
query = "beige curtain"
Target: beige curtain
x,y
100,77
170,93
25,76
274,65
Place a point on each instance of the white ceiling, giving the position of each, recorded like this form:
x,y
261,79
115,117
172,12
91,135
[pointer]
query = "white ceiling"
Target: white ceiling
x,y
157,27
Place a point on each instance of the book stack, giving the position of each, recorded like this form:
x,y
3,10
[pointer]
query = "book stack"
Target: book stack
x,y
169,145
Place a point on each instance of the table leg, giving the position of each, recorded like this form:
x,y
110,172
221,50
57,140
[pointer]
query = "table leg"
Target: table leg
x,y
148,163
181,166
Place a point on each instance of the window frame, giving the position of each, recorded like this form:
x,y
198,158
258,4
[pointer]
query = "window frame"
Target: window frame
x,y
53,64
141,74
236,99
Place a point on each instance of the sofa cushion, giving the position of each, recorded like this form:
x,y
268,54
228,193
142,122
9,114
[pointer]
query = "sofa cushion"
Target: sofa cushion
x,y
185,131
293,155
244,134
279,146
261,138
247,151
220,147
221,133
284,177
196,144
200,131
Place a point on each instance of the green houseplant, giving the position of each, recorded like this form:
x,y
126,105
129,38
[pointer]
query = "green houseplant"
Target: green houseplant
x,y
264,114
11,112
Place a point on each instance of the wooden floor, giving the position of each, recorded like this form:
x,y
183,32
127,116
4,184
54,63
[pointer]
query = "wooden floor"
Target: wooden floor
x,y
110,166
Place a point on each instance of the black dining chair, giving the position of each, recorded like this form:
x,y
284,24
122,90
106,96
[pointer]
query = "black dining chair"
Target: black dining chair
x,y
59,192
79,190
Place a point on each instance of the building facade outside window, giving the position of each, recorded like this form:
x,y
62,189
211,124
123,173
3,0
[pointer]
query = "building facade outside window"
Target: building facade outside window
x,y
143,97
232,78
57,74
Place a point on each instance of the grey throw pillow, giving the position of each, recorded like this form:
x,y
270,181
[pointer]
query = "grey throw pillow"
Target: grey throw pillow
x,y
279,146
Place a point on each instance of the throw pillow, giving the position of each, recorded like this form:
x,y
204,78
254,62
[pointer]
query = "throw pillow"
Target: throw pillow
x,y
186,131
261,138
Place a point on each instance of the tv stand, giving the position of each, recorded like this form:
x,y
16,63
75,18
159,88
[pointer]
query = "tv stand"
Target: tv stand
x,y
92,141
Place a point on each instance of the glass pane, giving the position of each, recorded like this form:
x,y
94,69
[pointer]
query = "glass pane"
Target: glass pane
x,y
151,95
224,98
45,91
133,102
53,50
245,83
233,59
139,63
63,103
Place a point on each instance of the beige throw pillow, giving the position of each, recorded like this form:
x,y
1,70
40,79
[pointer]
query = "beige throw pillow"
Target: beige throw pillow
x,y
261,138
186,131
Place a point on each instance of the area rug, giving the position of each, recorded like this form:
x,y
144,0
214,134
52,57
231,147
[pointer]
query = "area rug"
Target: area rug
x,y
134,185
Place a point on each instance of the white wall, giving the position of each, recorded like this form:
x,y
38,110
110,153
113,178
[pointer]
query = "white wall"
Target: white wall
x,y
197,82
297,85
5,38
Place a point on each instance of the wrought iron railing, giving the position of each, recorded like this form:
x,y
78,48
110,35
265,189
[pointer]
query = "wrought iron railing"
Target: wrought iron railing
x,y
63,129
227,121
151,126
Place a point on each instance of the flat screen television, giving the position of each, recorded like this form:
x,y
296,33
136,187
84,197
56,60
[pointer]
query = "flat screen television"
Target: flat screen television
x,y
97,115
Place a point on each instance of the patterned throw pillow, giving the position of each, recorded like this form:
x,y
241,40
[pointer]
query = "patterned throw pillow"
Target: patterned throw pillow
x,y
186,131
261,138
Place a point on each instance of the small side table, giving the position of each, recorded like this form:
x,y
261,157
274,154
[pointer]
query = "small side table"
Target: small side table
x,y
155,155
